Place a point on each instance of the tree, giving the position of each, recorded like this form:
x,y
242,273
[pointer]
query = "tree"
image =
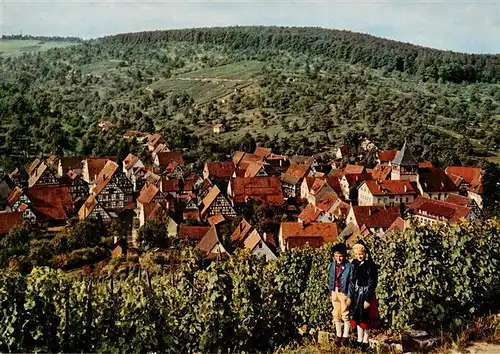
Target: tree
x,y
491,190
248,143
153,234
84,234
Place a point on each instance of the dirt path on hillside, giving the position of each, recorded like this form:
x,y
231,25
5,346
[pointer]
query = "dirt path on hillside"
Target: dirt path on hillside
x,y
210,79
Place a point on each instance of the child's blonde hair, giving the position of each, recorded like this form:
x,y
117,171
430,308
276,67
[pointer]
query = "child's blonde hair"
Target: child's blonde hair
x,y
358,246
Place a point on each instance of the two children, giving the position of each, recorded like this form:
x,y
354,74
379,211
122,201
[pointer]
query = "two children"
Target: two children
x,y
352,290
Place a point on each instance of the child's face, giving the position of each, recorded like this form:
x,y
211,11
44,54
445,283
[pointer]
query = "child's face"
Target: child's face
x,y
339,257
360,254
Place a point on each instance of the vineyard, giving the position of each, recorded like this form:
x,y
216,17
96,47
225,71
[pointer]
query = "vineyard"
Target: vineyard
x,y
430,278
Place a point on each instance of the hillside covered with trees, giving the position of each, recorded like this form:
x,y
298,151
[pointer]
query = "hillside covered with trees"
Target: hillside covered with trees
x,y
299,90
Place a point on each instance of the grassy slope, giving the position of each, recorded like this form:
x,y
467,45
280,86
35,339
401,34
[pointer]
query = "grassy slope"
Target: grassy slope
x,y
18,47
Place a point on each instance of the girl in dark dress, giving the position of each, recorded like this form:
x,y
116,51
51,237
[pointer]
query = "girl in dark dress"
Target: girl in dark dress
x,y
363,305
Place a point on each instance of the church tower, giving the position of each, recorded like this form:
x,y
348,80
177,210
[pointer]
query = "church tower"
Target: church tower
x,y
404,166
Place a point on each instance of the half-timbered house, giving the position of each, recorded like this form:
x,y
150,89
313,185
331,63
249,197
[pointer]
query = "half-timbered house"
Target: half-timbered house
x,y
131,163
92,166
78,187
42,175
19,201
190,210
215,203
163,159
70,163
92,210
113,190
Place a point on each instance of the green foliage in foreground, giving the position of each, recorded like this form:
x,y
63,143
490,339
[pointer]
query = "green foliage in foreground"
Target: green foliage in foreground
x,y
429,277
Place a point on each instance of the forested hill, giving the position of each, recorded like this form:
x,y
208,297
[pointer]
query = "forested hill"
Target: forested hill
x,y
352,47
297,90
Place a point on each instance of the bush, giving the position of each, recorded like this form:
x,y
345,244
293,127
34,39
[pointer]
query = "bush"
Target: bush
x,y
439,276
84,234
41,252
80,258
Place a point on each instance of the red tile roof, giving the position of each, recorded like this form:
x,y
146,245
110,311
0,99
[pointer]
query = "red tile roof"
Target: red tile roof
x,y
316,234
470,174
209,241
172,166
276,157
309,214
241,230
253,169
263,152
9,220
381,172
159,148
96,164
376,216
435,180
425,164
105,176
459,200
130,161
192,232
334,182
309,181
438,209
327,201
134,134
244,158
33,166
204,188
71,163
188,185
155,139
390,187
14,196
398,224
51,202
164,158
252,240
386,155
170,185
266,190
297,170
209,199
220,169
353,180
147,194
317,186
354,170
216,219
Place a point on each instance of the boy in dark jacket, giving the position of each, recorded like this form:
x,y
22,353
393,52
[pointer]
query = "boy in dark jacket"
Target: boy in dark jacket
x,y
338,284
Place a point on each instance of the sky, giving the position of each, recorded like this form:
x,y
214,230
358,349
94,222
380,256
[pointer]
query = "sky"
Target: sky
x,y
465,26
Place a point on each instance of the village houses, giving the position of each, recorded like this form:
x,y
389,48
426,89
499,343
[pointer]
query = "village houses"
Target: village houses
x,y
317,196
